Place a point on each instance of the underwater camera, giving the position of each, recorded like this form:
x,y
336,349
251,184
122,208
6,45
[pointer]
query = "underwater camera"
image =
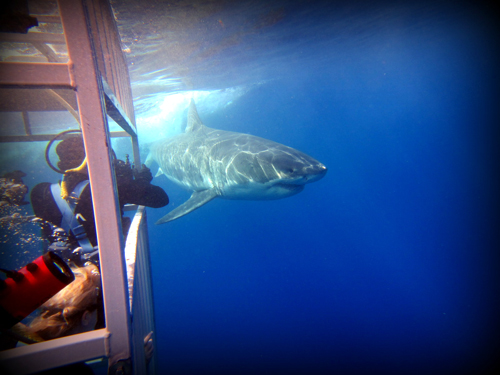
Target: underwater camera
x,y
23,291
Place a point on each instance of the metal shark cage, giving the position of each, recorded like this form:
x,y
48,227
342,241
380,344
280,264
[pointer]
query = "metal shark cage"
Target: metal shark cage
x,y
81,69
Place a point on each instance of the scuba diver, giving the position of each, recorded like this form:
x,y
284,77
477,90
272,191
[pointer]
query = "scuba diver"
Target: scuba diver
x,y
64,210
68,204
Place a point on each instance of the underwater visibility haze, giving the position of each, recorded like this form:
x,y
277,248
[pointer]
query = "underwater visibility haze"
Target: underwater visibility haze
x,y
387,265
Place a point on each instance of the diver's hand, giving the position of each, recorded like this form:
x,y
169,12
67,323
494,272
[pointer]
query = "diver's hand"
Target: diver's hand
x,y
143,174
148,346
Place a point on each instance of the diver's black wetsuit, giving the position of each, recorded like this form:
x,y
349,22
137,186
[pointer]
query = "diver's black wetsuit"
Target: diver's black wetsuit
x,y
133,188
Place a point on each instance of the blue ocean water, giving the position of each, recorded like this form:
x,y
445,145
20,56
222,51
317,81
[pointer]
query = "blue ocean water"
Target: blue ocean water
x,y
388,265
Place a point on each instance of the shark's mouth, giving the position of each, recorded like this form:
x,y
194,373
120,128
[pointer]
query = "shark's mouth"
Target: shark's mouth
x,y
290,187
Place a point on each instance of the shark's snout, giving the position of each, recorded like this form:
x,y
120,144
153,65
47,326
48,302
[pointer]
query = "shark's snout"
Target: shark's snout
x,y
316,173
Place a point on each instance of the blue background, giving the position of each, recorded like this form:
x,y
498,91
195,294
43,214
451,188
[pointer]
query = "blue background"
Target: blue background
x,y
389,265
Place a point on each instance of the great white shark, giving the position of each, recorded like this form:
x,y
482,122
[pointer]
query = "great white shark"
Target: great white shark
x,y
217,163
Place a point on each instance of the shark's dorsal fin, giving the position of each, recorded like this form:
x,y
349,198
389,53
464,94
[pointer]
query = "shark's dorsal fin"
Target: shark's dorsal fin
x,y
159,172
198,199
149,160
193,120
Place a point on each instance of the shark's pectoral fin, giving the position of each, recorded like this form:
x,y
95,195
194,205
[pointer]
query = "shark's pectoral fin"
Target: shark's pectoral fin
x,y
198,199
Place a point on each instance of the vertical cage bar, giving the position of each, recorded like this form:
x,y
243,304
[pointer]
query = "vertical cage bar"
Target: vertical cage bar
x,y
87,79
